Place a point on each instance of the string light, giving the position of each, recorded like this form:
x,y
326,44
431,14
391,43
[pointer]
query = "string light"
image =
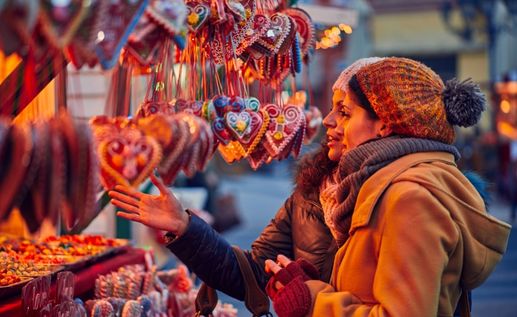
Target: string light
x,y
332,36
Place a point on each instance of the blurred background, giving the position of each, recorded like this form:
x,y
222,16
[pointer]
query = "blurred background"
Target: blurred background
x,y
464,39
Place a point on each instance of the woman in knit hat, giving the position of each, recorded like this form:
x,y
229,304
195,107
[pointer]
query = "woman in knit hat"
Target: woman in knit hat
x,y
293,232
413,233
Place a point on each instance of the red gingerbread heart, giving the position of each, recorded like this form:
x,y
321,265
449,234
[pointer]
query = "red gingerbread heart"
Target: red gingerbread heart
x,y
127,156
283,127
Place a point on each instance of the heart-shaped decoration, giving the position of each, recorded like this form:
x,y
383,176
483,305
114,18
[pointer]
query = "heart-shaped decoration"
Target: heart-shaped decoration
x,y
258,157
220,103
81,176
127,156
313,119
15,163
208,111
197,15
61,19
169,14
236,104
238,123
194,107
284,124
250,35
252,104
149,108
304,27
278,31
114,33
220,131
172,160
145,41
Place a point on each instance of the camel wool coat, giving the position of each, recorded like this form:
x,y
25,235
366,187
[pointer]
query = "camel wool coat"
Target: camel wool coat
x,y
420,233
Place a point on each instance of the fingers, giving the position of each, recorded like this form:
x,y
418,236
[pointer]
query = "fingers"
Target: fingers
x,y
128,216
127,207
283,260
124,198
272,267
159,184
129,191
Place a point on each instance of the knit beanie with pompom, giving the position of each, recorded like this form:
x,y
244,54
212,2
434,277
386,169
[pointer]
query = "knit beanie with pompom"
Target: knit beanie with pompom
x,y
412,100
343,79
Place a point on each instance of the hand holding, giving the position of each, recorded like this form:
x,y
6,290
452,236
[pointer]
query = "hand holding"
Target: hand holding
x,y
163,211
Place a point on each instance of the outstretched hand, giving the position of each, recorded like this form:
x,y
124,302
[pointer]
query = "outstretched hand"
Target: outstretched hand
x,y
163,212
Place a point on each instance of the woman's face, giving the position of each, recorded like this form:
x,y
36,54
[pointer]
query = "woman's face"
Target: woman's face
x,y
348,125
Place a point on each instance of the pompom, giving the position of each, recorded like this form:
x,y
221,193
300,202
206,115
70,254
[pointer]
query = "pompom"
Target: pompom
x,y
464,102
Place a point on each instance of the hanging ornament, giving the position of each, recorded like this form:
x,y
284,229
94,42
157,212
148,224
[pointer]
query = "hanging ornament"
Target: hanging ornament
x,y
117,22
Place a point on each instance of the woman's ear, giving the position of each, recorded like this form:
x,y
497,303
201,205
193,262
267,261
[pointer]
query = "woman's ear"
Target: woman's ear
x,y
384,131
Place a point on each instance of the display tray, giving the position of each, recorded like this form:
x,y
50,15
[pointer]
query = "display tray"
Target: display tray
x,y
15,288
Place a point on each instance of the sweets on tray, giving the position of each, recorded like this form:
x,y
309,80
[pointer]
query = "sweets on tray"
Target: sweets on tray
x,y
7,278
25,258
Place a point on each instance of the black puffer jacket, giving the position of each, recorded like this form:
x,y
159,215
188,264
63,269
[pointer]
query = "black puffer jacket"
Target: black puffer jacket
x,y
298,230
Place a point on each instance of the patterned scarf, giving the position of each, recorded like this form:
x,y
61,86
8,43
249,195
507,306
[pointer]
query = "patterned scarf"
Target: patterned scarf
x,y
338,193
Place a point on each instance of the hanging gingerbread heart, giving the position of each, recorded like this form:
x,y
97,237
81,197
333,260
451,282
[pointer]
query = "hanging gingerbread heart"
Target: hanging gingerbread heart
x,y
145,42
127,156
236,104
61,19
221,104
82,171
283,127
304,27
238,123
276,34
258,156
197,15
169,14
149,108
114,32
250,35
194,107
172,163
16,157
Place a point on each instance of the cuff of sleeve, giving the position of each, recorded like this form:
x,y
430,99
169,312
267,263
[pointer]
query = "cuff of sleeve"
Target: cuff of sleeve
x,y
185,241
170,237
293,300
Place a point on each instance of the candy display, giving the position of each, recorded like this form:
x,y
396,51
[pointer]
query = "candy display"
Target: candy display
x,y
21,258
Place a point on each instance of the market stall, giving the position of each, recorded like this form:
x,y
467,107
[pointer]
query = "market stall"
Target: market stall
x,y
221,77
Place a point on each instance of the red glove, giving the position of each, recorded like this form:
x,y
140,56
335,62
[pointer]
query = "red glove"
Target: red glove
x,y
294,299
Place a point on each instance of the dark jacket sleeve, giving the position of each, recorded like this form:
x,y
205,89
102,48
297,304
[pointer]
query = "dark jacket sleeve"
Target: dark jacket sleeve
x,y
211,257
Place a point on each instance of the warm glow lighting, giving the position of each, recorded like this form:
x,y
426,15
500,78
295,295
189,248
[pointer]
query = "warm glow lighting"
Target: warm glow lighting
x,y
505,106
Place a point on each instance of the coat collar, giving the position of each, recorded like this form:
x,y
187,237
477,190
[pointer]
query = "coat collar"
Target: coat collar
x,y
377,184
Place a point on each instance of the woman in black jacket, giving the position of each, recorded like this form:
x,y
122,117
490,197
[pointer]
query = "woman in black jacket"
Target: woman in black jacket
x,y
297,231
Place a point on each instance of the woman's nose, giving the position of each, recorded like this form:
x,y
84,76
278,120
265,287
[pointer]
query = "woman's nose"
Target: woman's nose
x,y
330,120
